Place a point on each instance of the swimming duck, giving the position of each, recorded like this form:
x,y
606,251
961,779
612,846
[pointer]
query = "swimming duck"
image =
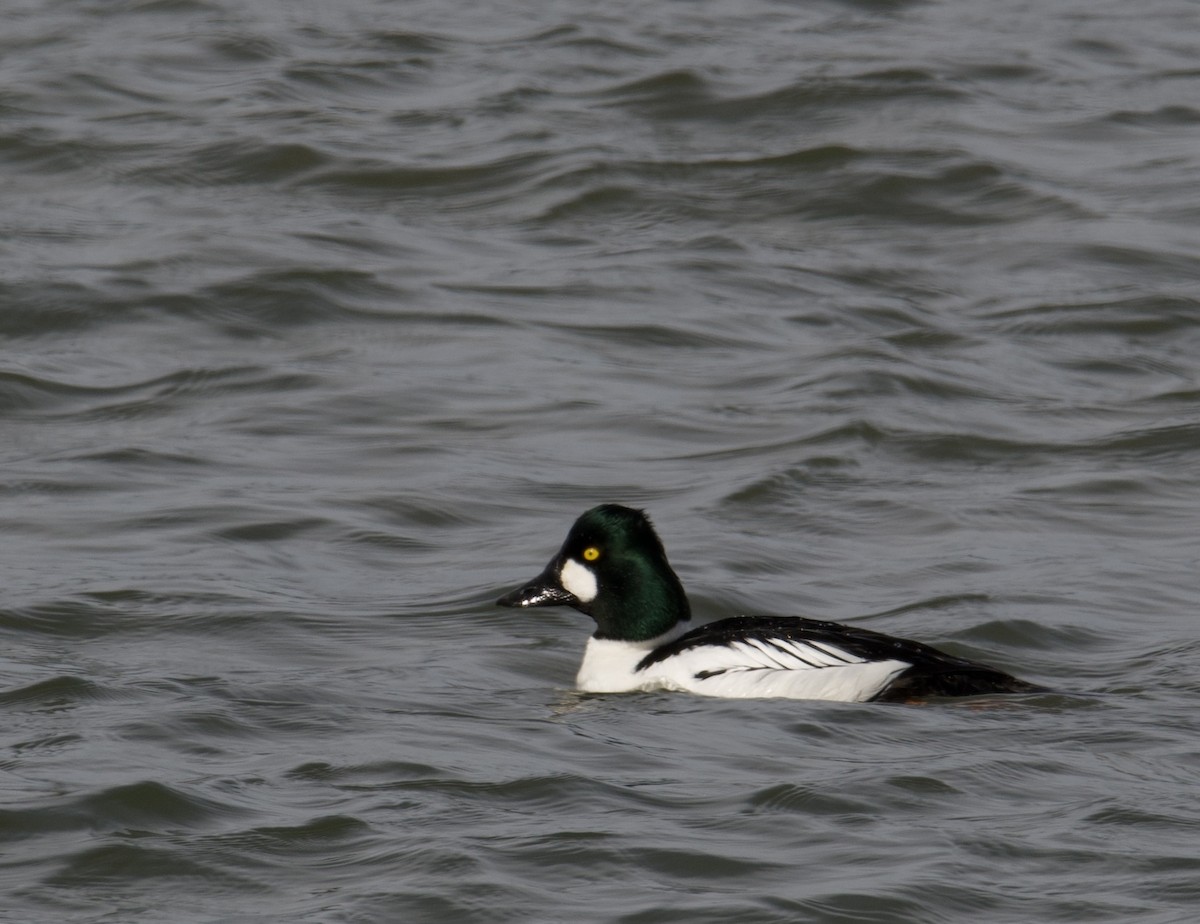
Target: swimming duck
x,y
613,568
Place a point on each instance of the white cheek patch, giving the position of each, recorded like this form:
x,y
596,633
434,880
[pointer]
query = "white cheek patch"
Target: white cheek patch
x,y
578,580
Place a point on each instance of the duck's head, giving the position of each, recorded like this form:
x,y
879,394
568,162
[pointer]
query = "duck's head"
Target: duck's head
x,y
613,568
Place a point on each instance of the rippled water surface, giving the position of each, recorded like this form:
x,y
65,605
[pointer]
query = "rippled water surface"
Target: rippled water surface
x,y
322,322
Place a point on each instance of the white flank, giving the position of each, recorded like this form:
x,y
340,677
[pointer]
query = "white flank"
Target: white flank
x,y
782,668
578,580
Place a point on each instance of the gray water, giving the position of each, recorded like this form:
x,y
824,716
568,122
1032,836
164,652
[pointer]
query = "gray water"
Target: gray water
x,y
321,322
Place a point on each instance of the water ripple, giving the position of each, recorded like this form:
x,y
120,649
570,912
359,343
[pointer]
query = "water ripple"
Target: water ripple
x,y
326,320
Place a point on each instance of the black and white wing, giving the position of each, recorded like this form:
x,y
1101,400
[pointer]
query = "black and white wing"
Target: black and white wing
x,y
807,659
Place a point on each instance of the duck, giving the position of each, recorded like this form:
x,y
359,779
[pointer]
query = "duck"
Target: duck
x,y
613,568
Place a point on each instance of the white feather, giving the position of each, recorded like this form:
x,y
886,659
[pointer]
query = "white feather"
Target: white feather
x,y
744,668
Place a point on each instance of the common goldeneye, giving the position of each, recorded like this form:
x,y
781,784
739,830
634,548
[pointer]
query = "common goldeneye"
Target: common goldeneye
x,y
613,568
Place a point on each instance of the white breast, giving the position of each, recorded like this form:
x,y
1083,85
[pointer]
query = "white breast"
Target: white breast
x,y
610,666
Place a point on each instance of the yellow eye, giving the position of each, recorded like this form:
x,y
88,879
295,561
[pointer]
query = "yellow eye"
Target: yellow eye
x,y
591,553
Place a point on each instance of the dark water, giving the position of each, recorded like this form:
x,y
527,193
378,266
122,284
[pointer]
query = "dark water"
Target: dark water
x,y
322,321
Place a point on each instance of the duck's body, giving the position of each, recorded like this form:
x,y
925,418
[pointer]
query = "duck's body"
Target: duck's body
x,y
613,568
792,658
